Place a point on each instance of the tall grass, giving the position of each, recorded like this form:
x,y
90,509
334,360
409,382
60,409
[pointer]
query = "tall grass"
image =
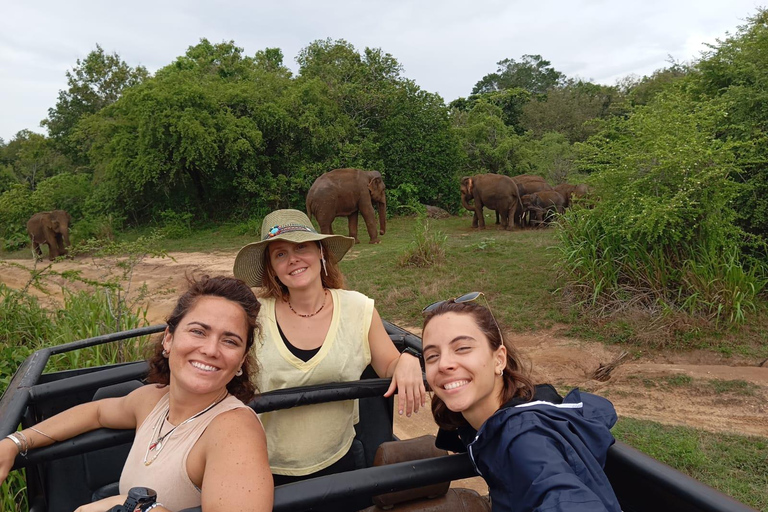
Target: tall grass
x,y
27,326
607,271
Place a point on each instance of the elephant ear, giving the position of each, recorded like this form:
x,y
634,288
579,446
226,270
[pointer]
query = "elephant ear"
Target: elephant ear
x,y
470,186
376,187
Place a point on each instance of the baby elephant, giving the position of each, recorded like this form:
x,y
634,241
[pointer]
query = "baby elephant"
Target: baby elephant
x,y
543,204
50,228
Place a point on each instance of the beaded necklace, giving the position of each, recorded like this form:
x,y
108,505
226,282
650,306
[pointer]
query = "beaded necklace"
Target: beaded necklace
x,y
325,299
159,443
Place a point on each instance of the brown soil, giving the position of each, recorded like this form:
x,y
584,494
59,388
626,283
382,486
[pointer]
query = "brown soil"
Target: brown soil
x,y
646,387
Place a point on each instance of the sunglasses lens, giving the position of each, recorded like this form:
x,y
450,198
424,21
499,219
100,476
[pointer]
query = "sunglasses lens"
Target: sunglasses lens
x,y
467,297
431,307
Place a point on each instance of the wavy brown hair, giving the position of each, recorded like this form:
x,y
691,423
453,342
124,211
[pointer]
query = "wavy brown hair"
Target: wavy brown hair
x,y
228,288
517,382
273,287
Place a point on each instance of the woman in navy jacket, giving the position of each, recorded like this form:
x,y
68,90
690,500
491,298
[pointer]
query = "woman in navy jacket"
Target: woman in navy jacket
x,y
536,450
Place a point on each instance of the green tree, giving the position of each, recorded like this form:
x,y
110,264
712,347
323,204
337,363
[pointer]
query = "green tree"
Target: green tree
x,y
95,82
31,158
570,108
733,74
532,73
489,144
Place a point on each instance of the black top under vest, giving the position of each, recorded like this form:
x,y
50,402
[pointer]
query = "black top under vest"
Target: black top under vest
x,y
304,355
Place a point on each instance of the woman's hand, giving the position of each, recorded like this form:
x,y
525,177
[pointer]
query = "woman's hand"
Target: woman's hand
x,y
8,453
408,380
103,505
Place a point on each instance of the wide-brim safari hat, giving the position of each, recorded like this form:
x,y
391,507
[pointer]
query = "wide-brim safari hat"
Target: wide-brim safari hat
x,y
289,225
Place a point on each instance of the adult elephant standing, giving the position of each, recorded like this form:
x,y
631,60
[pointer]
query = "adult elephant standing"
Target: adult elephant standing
x,y
495,191
345,192
50,228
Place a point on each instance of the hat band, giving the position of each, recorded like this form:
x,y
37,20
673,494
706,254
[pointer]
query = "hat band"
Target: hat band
x,y
279,230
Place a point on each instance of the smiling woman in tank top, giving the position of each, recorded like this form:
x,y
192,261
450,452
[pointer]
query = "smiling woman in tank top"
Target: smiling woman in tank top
x,y
196,442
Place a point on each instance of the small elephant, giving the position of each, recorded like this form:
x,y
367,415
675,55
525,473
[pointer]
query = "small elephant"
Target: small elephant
x,y
50,228
345,192
528,184
494,191
543,204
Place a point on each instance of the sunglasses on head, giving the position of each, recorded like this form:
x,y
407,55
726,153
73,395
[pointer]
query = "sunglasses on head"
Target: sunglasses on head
x,y
467,297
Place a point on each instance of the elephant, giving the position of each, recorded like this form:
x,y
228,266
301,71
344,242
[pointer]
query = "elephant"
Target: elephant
x,y
50,228
528,184
345,192
494,191
569,192
543,204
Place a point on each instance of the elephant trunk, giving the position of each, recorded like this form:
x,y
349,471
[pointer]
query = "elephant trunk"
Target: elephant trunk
x,y
382,207
465,203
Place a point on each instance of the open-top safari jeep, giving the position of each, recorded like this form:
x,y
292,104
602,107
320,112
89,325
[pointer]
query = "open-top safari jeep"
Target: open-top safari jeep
x,y
63,476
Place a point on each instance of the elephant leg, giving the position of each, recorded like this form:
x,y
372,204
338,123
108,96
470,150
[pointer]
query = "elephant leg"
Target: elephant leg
x,y
499,219
504,217
352,220
60,245
479,215
37,252
474,220
369,216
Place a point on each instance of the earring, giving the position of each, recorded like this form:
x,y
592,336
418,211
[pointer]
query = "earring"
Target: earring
x,y
322,261
500,372
239,372
165,353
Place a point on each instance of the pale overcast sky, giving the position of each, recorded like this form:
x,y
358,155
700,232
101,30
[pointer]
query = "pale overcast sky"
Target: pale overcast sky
x,y
446,46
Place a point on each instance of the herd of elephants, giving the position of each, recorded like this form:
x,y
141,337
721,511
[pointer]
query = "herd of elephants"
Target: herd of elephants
x,y
519,200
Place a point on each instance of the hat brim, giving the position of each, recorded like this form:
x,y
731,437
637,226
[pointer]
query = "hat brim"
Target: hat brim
x,y
249,262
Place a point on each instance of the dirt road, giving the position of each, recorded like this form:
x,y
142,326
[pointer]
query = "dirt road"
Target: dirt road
x,y
702,390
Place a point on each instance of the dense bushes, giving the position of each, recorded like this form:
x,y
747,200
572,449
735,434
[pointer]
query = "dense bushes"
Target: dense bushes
x,y
664,235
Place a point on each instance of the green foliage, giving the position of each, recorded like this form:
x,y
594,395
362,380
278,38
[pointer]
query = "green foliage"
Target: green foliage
x,y
571,109
533,73
427,248
176,225
15,209
552,157
663,235
732,75
489,144
404,200
94,82
64,191
30,158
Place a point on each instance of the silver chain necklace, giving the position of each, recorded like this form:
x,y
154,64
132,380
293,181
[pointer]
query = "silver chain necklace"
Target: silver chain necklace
x,y
159,443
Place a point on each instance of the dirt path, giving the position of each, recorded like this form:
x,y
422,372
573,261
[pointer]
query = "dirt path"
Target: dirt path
x,y
701,390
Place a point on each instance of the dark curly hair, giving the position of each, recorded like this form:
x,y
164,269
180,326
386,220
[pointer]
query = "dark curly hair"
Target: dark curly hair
x,y
228,288
517,383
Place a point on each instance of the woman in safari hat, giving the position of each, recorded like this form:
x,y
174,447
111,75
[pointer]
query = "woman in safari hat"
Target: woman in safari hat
x,y
315,332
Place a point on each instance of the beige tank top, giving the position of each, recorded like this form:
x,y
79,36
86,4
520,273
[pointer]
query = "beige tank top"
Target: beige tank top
x,y
168,472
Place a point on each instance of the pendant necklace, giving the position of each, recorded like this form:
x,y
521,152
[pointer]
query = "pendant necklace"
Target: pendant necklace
x,y
325,299
159,443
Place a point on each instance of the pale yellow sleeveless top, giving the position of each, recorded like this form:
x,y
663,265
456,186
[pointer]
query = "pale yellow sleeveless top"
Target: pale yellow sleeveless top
x,y
304,440
168,472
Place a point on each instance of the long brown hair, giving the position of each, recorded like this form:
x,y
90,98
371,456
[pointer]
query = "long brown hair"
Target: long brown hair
x,y
273,287
517,382
228,288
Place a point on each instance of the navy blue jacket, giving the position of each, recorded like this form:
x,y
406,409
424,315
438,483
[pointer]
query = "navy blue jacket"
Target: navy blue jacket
x,y
544,455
